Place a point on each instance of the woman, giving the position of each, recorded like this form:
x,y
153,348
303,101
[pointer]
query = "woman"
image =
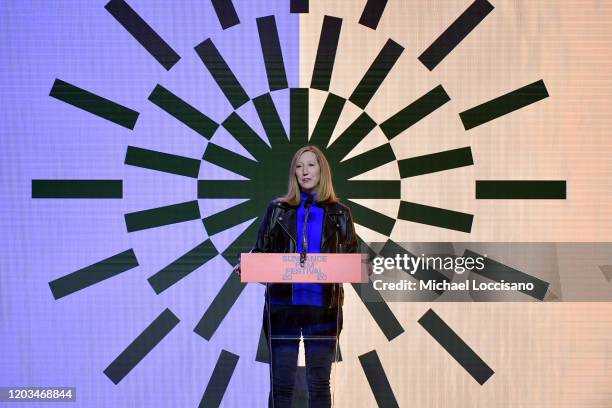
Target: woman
x,y
308,219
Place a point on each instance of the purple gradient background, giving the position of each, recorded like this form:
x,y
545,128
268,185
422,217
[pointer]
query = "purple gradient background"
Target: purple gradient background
x,y
69,342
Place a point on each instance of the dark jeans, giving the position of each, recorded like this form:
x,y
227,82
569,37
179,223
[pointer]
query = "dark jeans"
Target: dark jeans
x,y
320,327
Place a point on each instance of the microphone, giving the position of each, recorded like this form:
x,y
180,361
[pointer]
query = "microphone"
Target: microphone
x,y
308,201
307,205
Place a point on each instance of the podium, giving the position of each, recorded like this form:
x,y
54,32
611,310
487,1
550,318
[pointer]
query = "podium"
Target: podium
x,y
315,268
302,319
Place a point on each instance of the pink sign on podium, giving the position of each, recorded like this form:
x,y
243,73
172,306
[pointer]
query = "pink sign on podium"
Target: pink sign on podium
x,y
317,268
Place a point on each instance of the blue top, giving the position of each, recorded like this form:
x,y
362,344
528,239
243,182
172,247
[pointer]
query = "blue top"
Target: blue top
x,y
309,294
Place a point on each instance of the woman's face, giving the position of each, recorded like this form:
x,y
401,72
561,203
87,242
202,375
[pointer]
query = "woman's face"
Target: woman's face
x,y
307,171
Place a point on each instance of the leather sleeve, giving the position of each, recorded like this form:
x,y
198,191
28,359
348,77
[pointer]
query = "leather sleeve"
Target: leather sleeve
x,y
262,244
351,237
263,235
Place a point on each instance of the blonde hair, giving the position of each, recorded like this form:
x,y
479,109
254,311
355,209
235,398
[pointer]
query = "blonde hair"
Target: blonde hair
x,y
325,188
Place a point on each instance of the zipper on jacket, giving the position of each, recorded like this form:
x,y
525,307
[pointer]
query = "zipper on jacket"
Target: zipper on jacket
x,y
288,233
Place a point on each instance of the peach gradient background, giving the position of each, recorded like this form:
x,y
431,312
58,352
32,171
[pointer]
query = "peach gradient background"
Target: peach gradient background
x,y
543,354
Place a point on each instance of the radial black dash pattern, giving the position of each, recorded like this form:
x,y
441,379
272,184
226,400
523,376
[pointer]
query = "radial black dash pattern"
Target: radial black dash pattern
x,y
265,171
226,13
299,6
326,53
219,380
93,274
94,104
265,176
77,189
143,33
379,383
141,346
504,104
456,347
455,33
372,13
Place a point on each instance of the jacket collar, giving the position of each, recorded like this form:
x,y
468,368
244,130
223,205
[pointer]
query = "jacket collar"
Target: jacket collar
x,y
288,220
331,224
305,197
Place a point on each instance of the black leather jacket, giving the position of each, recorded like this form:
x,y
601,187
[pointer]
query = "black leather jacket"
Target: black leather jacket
x,y
277,233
